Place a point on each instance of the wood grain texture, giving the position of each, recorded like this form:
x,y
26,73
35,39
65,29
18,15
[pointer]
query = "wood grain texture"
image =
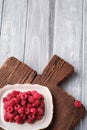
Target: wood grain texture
x,y
13,29
37,34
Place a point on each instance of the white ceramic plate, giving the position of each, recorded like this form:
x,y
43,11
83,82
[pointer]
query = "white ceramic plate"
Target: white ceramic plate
x,y
41,124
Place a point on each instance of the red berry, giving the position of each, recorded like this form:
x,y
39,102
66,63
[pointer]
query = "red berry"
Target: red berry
x,y
37,95
77,104
33,110
27,111
4,100
40,111
21,110
31,116
38,117
19,120
23,96
36,103
31,99
30,121
17,106
23,102
10,109
6,118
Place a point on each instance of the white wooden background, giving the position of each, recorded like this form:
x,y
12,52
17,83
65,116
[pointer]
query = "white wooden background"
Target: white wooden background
x,y
34,30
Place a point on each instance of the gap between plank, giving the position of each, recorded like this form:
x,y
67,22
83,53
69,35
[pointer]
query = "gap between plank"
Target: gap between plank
x,y
51,26
25,30
1,17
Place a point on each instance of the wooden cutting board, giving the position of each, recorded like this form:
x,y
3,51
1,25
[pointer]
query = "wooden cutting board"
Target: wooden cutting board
x,y
66,116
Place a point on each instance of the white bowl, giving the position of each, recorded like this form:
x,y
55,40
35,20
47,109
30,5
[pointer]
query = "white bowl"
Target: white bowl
x,y
41,124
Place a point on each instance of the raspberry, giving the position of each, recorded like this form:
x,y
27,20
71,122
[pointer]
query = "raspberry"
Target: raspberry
x,y
31,116
6,118
23,116
23,96
12,102
10,109
30,121
77,104
29,92
29,105
6,105
42,105
21,110
37,95
18,120
31,99
40,111
27,111
15,93
36,103
33,110
23,102
4,100
17,106
10,116
38,117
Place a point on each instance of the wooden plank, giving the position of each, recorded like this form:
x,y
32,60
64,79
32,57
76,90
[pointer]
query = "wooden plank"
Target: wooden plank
x,y
68,33
67,39
55,72
13,29
13,71
1,13
84,62
37,34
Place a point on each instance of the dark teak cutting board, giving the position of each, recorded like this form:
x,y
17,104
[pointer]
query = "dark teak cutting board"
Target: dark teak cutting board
x,y
66,116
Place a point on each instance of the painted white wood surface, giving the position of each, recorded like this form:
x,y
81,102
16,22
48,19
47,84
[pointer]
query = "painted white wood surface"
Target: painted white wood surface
x,y
35,30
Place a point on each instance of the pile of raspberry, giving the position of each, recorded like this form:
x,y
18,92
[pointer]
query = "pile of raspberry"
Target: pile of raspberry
x,y
21,107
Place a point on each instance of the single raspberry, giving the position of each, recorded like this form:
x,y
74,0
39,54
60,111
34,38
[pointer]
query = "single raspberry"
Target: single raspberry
x,y
29,121
12,102
31,99
4,100
16,100
15,93
42,105
17,106
23,96
36,103
23,117
19,120
9,109
6,118
31,116
10,116
29,105
27,111
23,102
77,104
21,110
29,93
37,96
40,111
38,117
33,110
6,105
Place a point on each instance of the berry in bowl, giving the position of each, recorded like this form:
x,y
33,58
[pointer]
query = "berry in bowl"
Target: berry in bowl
x,y
25,106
